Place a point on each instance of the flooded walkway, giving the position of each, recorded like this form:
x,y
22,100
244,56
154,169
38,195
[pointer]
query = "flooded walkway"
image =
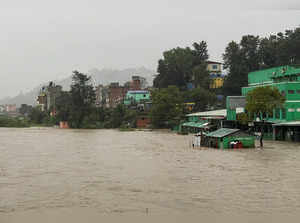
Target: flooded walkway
x,y
138,172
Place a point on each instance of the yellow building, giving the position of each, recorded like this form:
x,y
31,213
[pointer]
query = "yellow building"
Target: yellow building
x,y
216,81
216,76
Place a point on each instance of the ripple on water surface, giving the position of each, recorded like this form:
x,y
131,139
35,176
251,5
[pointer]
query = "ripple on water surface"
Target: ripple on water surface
x,y
116,171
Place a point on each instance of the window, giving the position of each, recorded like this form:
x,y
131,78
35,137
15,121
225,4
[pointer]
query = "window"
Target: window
x,y
277,113
298,91
214,67
293,78
291,91
283,93
144,95
283,113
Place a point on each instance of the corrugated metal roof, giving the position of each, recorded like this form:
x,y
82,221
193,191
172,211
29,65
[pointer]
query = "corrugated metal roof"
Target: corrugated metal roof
x,y
222,132
138,92
195,124
218,113
295,123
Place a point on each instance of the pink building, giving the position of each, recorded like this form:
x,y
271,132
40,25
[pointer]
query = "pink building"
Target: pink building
x,y
11,108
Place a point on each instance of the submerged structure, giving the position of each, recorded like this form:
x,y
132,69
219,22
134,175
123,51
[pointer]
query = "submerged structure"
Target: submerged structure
x,y
225,138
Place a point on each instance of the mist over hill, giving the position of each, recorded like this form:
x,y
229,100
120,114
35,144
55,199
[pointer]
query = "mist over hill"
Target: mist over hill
x,y
104,76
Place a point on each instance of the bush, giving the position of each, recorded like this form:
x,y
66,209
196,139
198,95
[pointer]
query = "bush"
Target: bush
x,y
9,122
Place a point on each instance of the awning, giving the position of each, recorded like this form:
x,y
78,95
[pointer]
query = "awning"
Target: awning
x,y
196,124
295,123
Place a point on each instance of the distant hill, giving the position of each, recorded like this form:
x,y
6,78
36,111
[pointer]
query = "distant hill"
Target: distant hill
x,y
104,76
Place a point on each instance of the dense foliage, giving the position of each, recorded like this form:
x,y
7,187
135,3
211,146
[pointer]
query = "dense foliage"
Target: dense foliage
x,y
181,66
13,122
82,99
38,117
202,98
262,100
167,106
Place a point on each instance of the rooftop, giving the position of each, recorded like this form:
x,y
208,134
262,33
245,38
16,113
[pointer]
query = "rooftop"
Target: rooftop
x,y
138,92
213,62
220,133
295,123
217,113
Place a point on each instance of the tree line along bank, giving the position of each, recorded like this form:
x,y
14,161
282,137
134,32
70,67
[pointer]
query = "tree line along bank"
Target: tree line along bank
x,y
183,84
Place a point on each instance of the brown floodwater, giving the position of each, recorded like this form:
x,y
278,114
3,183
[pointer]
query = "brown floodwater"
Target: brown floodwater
x,y
142,172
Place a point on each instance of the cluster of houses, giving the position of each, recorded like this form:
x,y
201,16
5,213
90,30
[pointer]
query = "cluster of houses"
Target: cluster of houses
x,y
47,97
134,94
220,128
10,109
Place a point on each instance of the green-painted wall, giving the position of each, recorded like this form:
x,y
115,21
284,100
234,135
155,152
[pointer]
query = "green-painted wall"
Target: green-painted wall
x,y
276,74
287,80
193,118
262,76
291,110
247,141
136,96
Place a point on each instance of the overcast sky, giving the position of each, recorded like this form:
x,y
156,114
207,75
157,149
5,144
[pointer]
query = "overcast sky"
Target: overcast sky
x,y
43,40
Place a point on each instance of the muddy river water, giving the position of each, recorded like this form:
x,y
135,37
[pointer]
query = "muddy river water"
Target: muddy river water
x,y
137,172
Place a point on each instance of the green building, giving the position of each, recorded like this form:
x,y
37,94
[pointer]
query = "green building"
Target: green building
x,y
284,123
224,138
136,97
287,80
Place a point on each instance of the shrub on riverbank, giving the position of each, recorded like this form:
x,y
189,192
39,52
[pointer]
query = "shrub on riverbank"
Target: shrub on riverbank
x,y
10,122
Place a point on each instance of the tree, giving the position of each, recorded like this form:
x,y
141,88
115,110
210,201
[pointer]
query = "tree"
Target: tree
x,y
82,98
293,45
249,52
263,100
63,106
181,66
237,71
254,53
25,109
167,107
269,52
201,97
201,76
37,116
239,60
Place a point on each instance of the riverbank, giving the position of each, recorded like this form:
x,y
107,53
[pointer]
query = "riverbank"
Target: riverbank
x,y
13,122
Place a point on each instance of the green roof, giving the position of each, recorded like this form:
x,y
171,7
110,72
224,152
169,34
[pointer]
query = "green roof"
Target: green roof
x,y
220,133
187,123
195,124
